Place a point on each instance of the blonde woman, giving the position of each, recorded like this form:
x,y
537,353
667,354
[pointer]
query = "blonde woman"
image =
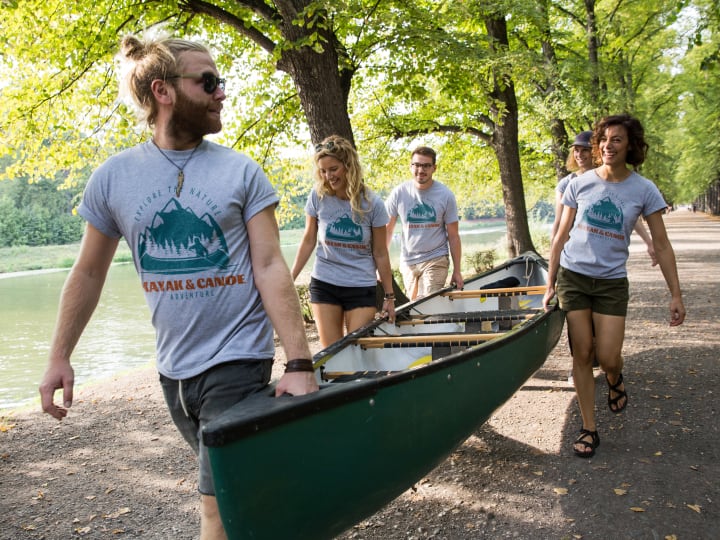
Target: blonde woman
x,y
346,222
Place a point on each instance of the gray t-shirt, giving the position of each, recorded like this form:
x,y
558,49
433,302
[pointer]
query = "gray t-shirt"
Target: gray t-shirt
x,y
606,215
344,251
424,214
563,183
191,251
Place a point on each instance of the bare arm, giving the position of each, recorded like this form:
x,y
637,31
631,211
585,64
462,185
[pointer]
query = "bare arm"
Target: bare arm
x,y
455,246
389,229
666,259
307,244
79,298
382,263
561,237
558,215
642,233
279,298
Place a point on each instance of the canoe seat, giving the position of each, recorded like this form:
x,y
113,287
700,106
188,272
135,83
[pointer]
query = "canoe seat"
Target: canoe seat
x,y
470,317
424,340
504,291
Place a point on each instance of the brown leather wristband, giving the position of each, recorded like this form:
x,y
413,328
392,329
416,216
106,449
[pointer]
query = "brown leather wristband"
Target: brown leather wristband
x,y
299,365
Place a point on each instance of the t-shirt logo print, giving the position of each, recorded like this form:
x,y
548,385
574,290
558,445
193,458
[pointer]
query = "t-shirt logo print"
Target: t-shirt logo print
x,y
421,213
344,229
179,242
605,214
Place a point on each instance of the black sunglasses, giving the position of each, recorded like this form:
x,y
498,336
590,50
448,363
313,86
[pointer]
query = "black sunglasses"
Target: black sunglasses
x,y
327,146
211,82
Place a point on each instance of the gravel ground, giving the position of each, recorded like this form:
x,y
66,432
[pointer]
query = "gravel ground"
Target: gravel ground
x,y
116,468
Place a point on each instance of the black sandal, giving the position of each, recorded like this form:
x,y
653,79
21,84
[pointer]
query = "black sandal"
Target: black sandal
x,y
592,445
613,402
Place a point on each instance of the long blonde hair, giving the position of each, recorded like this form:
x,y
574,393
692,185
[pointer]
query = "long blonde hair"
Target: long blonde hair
x,y
342,150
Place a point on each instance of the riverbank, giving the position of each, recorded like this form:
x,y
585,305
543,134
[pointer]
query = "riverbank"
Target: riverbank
x,y
117,468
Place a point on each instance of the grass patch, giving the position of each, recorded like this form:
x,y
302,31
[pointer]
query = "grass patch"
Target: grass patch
x,y
26,258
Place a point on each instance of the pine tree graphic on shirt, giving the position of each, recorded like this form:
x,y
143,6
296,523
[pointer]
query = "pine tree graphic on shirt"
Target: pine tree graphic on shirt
x,y
421,213
605,214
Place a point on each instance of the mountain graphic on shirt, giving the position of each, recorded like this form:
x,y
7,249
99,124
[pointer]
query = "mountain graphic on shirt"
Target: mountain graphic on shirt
x,y
421,213
180,242
605,214
344,229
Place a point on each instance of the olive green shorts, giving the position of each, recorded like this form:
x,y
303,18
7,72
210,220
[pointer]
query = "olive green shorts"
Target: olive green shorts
x,y
605,296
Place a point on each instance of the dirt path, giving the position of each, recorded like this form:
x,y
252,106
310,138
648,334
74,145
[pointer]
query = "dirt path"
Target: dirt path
x,y
116,468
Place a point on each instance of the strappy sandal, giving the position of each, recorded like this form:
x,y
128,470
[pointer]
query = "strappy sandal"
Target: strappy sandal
x,y
613,404
592,445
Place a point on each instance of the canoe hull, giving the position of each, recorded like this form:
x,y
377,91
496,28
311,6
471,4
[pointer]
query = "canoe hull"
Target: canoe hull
x,y
317,464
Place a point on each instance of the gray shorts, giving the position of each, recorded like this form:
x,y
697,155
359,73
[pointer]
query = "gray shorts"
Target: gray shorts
x,y
196,401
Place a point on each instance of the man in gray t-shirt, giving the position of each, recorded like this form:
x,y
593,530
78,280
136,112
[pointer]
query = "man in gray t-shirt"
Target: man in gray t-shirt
x,y
428,212
200,220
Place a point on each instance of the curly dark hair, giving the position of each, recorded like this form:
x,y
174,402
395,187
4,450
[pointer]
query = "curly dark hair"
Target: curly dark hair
x,y
637,147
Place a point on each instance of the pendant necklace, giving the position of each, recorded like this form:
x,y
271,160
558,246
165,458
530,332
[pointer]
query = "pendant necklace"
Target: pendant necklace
x,y
181,170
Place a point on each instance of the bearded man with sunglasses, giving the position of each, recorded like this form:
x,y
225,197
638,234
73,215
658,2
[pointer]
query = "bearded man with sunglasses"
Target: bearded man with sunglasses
x,y
428,212
200,220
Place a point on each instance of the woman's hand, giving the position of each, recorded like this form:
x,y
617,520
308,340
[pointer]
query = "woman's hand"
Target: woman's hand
x,y
549,295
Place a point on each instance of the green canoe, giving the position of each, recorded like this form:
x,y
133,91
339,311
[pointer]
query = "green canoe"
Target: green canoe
x,y
395,401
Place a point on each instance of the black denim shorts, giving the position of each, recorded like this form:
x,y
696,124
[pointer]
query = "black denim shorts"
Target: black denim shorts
x,y
347,298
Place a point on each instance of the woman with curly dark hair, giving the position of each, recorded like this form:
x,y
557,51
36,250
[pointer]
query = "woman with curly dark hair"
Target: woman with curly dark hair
x,y
587,265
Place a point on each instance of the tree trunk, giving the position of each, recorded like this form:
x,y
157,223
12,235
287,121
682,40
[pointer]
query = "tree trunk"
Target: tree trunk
x,y
505,144
323,88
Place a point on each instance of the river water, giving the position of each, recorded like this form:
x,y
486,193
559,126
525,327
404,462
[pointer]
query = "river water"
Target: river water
x,y
119,336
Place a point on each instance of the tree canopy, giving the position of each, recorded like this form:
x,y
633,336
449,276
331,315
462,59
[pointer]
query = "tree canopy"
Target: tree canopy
x,y
499,88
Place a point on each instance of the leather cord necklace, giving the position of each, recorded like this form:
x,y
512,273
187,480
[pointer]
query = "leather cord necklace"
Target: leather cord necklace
x,y
181,170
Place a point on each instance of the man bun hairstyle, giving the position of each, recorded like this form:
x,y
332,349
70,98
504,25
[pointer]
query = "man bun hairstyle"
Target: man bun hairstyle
x,y
143,61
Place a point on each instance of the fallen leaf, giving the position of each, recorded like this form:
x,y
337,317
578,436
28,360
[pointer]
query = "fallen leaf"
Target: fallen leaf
x,y
620,491
560,491
658,453
538,473
6,427
29,528
89,497
83,530
637,509
671,537
694,507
